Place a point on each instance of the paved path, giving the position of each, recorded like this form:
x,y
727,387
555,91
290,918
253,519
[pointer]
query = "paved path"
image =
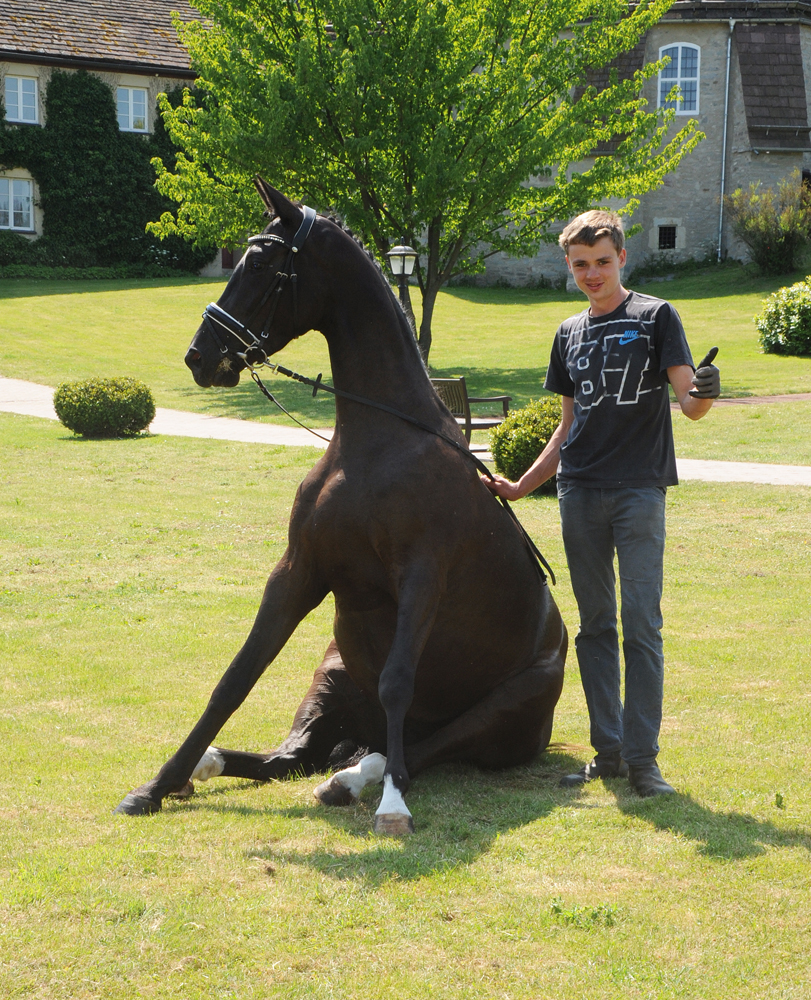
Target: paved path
x,y
31,399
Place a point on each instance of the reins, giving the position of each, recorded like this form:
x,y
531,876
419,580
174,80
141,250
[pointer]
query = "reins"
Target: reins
x,y
255,356
539,561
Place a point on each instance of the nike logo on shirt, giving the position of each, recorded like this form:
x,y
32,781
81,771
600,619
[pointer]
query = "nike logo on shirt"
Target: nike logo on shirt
x,y
628,336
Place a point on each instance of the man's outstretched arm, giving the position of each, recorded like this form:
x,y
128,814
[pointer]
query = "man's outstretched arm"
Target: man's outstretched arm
x,y
545,465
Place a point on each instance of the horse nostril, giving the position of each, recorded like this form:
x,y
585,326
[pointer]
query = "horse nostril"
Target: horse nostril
x,y
192,357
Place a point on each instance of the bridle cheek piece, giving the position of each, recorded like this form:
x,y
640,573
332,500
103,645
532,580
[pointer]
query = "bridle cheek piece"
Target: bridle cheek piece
x,y
255,355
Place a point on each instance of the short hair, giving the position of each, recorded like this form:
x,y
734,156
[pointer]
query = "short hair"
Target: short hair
x,y
590,227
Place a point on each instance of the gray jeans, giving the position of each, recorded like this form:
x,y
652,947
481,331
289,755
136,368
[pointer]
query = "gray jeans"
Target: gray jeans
x,y
596,524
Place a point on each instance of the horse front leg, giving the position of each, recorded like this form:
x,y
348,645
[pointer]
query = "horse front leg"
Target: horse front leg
x,y
416,613
289,595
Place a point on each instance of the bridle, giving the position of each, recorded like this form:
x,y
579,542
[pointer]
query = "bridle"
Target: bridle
x,y
255,356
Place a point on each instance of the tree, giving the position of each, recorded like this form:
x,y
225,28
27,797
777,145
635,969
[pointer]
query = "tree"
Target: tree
x,y
451,124
775,226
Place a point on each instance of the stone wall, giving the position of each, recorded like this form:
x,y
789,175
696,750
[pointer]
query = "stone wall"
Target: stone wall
x,y
690,198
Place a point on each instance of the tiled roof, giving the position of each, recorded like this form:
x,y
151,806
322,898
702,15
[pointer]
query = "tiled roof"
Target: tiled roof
x,y
123,33
771,63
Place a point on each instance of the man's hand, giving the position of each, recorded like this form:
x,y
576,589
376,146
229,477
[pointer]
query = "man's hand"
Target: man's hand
x,y
707,379
502,487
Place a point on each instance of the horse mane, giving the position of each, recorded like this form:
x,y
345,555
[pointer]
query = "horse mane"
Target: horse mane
x,y
405,326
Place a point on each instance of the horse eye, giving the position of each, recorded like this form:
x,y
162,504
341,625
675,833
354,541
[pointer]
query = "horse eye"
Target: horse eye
x,y
257,263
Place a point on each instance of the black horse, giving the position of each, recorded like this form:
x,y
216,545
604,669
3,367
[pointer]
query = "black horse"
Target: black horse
x,y
447,643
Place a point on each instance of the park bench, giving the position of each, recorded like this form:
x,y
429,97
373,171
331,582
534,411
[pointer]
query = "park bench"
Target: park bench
x,y
453,393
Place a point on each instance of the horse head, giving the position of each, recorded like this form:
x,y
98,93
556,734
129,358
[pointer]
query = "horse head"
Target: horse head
x,y
262,308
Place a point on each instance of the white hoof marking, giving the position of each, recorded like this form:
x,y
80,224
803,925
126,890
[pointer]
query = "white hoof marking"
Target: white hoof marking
x,y
210,765
392,801
368,771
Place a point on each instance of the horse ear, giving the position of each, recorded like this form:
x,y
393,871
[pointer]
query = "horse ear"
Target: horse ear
x,y
276,203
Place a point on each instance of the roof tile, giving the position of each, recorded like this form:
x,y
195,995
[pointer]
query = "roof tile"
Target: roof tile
x,y
135,32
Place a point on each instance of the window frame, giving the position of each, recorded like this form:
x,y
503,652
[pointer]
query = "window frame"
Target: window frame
x,y
130,91
20,79
676,80
31,227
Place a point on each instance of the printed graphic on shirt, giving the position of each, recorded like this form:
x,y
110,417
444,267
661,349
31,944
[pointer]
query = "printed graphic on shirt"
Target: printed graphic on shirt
x,y
610,361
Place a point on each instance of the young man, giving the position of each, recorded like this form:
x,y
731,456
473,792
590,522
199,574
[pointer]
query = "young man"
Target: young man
x,y
613,452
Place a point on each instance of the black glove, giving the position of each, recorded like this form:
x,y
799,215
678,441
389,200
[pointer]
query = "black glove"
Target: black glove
x,y
707,379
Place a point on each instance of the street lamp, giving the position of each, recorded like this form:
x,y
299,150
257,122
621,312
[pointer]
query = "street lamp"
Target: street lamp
x,y
402,260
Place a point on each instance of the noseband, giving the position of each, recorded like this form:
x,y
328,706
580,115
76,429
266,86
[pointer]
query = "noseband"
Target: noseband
x,y
214,315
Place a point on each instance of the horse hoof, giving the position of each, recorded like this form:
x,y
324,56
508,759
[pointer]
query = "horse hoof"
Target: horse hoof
x,y
135,805
334,793
394,824
185,792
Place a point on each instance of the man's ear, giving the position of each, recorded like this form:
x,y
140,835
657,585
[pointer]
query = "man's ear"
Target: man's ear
x,y
277,204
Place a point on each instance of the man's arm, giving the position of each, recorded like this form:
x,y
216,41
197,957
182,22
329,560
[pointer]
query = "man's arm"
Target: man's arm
x,y
681,378
545,465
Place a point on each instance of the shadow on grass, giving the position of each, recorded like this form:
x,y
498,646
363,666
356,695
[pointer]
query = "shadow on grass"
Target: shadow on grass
x,y
724,836
459,812
25,288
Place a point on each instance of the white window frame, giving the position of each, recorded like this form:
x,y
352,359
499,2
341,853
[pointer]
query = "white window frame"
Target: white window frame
x,y
130,113
672,75
11,188
18,80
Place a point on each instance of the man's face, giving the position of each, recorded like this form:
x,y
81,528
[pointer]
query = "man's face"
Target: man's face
x,y
597,270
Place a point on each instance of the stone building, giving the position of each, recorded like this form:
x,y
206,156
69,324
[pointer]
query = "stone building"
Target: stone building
x,y
744,69
741,66
132,46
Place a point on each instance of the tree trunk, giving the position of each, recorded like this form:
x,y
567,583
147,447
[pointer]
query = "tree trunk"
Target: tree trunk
x,y
428,302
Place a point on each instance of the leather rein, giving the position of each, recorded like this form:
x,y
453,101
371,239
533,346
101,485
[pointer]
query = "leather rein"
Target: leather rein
x,y
255,356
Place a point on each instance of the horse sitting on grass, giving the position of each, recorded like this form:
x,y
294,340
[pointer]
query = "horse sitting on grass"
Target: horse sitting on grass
x,y
448,646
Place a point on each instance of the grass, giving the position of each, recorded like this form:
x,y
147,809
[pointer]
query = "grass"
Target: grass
x,y
129,575
498,338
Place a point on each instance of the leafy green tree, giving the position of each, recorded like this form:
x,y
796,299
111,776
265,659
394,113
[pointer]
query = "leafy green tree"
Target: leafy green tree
x,y
459,126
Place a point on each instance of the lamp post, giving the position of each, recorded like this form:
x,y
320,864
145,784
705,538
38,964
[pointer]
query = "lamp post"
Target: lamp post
x,y
402,260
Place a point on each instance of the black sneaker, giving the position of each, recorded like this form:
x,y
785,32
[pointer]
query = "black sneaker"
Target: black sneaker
x,y
604,765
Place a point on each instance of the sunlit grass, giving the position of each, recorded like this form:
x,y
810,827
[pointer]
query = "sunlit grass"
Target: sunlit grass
x,y
129,575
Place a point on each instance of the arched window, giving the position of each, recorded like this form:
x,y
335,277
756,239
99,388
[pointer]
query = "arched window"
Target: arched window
x,y
683,70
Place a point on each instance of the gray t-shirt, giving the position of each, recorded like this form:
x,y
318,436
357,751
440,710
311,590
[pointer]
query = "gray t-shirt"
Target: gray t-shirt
x,y
615,368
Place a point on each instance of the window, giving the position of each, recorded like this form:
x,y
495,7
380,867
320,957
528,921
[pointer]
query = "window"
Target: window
x,y
131,104
21,99
15,204
667,237
682,71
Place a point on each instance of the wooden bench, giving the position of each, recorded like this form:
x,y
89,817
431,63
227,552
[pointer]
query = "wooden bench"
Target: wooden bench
x,y
453,393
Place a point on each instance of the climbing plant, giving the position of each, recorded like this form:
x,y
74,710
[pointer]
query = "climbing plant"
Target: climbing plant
x,y
96,184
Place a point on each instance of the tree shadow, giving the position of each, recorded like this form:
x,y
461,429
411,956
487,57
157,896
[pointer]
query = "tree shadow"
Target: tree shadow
x,y
724,836
26,288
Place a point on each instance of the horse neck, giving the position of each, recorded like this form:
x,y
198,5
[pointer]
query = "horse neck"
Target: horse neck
x,y
373,354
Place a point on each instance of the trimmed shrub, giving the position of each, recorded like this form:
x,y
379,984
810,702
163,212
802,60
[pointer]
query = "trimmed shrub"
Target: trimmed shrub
x,y
523,435
785,323
775,226
105,407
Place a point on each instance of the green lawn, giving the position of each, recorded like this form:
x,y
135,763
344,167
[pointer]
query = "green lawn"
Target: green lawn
x,y
129,575
498,338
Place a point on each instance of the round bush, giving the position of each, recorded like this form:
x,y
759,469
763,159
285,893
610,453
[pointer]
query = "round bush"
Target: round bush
x,y
785,323
524,434
105,407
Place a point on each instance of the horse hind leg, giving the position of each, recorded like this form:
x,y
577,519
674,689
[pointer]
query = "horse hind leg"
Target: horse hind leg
x,y
507,728
333,728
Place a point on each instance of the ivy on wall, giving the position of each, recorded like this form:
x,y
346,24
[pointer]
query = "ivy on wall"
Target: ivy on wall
x,y
96,184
